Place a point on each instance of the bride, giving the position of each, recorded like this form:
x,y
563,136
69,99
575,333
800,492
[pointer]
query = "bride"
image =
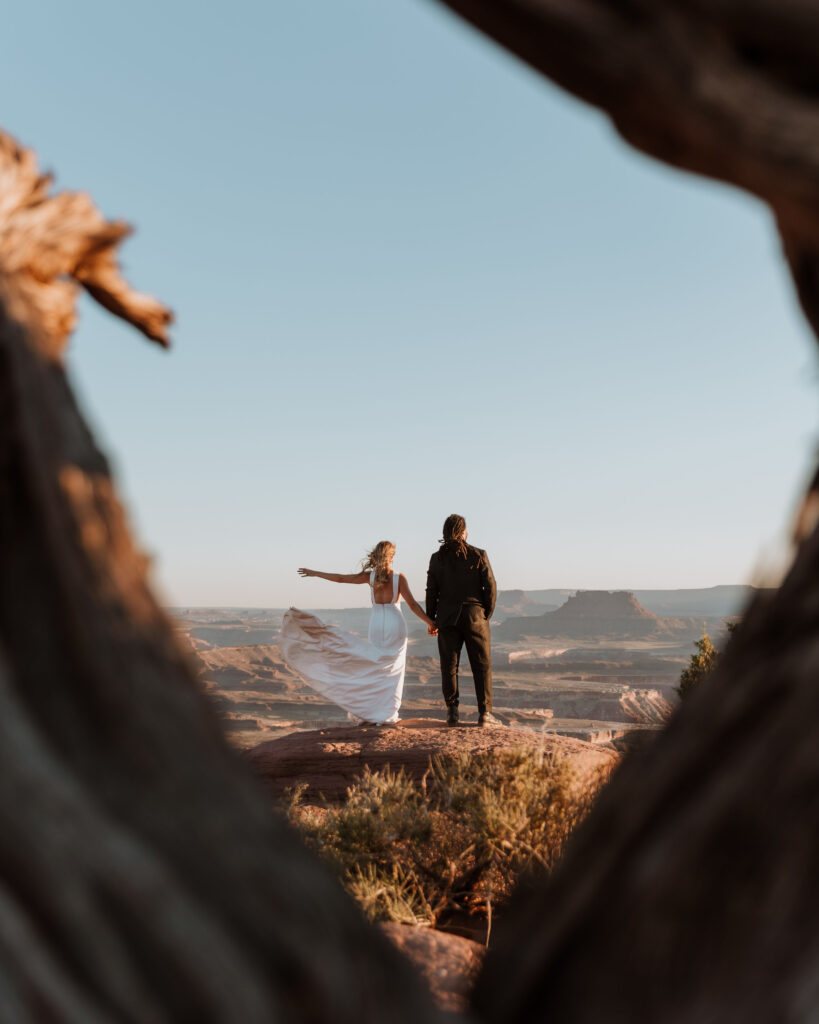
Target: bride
x,y
364,677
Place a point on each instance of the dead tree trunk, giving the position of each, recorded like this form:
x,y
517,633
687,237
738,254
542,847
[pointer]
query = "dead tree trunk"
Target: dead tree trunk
x,y
142,875
692,894
723,88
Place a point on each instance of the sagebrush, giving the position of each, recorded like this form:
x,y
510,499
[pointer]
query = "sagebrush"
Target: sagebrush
x,y
450,847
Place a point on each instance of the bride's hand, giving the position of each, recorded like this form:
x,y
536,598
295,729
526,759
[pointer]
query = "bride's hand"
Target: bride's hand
x,y
306,572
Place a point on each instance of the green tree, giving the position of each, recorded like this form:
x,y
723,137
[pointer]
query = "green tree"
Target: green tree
x,y
701,664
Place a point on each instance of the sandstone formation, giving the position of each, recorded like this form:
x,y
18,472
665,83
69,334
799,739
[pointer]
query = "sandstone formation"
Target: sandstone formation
x,y
328,760
518,602
646,706
260,698
615,703
255,664
589,614
602,614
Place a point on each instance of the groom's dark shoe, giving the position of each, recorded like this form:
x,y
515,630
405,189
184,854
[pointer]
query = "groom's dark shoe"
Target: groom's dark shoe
x,y
487,718
451,716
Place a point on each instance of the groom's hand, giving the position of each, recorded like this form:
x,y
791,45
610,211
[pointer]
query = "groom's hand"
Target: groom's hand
x,y
432,630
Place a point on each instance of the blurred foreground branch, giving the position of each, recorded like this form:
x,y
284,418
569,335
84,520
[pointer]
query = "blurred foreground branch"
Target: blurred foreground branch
x,y
142,875
725,88
690,894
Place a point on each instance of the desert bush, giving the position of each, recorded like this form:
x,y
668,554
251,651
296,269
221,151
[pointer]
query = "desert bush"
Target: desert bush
x,y
701,664
452,846
388,893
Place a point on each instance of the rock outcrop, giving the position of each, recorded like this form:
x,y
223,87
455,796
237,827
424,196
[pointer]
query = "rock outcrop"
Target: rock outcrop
x,y
259,665
518,602
328,760
260,698
593,614
639,706
448,964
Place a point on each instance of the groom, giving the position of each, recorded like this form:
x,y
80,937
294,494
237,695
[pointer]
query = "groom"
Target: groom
x,y
461,596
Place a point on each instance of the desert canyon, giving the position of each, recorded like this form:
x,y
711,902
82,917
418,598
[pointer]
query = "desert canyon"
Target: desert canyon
x,y
600,666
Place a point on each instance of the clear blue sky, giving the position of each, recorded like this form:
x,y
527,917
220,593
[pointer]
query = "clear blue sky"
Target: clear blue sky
x,y
411,278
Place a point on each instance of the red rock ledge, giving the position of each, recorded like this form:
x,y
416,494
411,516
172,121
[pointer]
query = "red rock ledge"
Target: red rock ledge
x,y
328,760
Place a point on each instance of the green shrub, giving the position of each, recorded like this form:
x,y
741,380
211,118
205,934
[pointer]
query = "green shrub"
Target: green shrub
x,y
454,844
702,663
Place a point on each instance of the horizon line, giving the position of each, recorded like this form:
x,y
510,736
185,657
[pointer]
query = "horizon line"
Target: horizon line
x,y
576,590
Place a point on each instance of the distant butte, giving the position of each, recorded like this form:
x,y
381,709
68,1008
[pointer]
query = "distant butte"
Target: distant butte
x,y
594,614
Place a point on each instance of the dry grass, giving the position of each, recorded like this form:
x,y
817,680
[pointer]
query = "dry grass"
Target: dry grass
x,y
446,851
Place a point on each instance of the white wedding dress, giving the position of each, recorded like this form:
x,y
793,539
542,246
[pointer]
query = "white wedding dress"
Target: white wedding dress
x,y
364,677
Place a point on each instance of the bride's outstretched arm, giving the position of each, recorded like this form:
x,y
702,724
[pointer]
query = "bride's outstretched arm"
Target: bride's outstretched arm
x,y
406,593
337,577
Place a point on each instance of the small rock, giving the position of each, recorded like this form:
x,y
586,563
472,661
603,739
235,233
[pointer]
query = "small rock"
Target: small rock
x,y
448,964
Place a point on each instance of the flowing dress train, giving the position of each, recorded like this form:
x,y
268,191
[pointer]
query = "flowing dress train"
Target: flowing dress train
x,y
364,677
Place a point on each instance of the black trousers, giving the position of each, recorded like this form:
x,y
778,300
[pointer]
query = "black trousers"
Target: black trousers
x,y
472,629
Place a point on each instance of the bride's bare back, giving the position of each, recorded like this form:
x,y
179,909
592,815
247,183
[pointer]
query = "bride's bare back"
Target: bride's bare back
x,y
382,592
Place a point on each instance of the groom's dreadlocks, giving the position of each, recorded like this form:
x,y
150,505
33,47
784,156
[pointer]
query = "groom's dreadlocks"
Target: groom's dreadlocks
x,y
454,530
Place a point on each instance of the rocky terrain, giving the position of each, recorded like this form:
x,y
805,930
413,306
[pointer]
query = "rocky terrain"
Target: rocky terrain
x,y
326,761
261,698
717,602
600,667
586,675
603,614
322,764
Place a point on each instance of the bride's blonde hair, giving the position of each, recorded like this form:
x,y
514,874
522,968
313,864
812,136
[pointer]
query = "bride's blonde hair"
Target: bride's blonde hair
x,y
379,559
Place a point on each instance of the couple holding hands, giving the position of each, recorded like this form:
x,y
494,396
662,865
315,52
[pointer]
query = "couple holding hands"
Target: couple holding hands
x,y
366,677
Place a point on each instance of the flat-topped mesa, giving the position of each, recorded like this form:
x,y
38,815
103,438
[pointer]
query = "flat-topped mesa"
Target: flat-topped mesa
x,y
604,613
589,614
610,604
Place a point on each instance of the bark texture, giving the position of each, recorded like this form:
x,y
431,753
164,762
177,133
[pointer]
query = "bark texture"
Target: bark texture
x,y
691,893
724,88
142,875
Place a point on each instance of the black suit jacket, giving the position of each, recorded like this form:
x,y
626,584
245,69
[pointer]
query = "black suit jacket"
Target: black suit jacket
x,y
453,581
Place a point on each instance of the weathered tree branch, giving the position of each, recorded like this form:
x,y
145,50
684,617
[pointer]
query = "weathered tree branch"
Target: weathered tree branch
x,y
50,244
691,893
143,876
724,89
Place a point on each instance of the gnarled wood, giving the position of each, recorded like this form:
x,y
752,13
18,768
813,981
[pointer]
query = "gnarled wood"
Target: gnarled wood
x,y
51,244
726,89
691,893
143,876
